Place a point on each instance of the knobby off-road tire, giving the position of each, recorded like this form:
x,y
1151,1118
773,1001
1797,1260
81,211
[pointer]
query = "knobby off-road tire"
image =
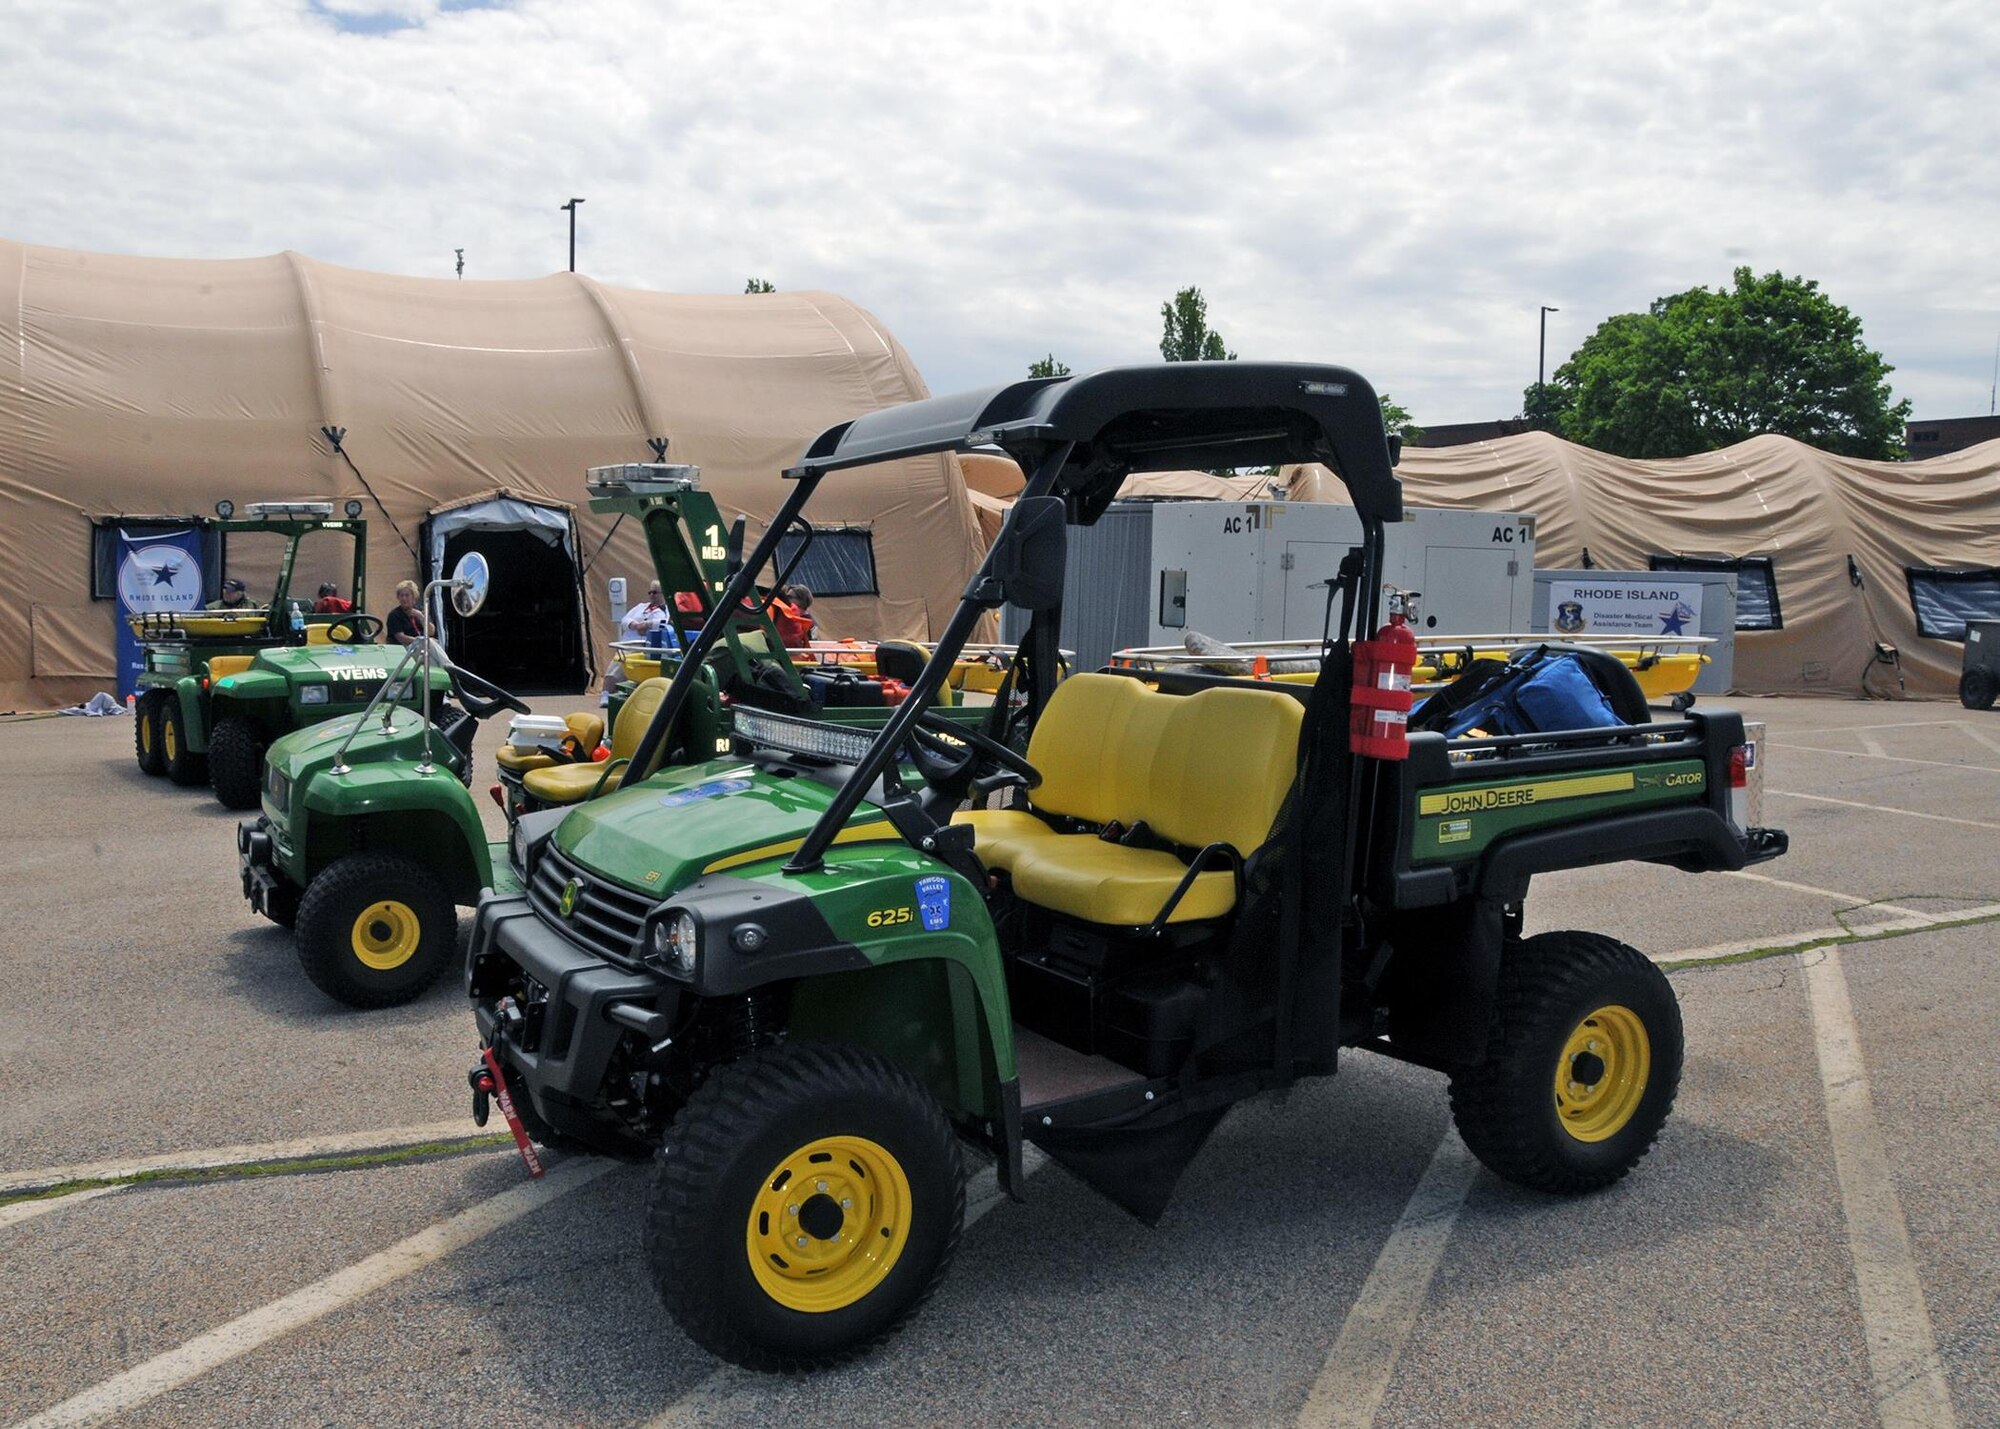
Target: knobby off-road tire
x,y
1977,689
738,1185
236,763
375,929
1582,1065
146,733
184,767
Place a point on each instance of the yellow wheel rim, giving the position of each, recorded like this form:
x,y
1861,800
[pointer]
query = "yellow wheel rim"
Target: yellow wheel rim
x,y
145,734
386,934
828,1224
1601,1075
169,735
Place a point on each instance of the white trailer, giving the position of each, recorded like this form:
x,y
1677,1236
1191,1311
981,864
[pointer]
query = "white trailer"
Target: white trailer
x,y
1258,570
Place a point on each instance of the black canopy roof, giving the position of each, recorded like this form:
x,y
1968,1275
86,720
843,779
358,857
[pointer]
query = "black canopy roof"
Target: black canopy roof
x,y
1162,418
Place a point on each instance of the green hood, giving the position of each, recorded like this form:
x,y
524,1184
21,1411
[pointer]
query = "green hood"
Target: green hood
x,y
354,671
678,825
311,749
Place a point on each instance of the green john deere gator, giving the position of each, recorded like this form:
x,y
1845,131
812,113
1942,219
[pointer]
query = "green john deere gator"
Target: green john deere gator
x,y
806,983
220,684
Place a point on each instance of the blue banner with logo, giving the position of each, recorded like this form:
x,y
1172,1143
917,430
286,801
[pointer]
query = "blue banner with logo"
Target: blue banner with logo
x,y
159,570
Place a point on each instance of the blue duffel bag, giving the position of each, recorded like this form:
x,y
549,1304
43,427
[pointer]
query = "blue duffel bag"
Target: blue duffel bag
x,y
1543,693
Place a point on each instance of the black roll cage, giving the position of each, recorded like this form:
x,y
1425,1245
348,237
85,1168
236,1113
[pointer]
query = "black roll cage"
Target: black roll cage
x,y
1078,438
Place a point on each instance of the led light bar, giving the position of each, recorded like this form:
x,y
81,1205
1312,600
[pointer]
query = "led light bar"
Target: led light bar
x,y
636,478
802,736
286,510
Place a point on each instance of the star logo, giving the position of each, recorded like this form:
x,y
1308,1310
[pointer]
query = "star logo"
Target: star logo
x,y
164,574
1673,623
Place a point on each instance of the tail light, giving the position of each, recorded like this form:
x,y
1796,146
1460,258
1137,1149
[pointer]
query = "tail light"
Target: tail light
x,y
1742,759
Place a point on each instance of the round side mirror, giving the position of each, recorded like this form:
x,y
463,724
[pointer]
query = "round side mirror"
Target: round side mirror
x,y
470,579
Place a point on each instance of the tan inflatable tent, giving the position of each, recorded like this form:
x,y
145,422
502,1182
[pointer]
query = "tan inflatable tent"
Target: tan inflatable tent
x,y
1906,526
150,387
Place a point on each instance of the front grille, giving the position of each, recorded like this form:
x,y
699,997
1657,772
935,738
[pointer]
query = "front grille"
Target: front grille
x,y
604,919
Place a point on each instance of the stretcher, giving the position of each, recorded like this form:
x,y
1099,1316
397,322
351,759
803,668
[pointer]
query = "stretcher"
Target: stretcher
x,y
1666,667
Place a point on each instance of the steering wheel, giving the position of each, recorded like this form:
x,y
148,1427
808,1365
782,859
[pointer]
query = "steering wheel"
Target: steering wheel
x,y
951,768
482,697
360,629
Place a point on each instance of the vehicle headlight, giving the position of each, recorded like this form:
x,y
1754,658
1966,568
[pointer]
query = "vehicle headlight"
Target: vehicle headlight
x,y
312,694
517,849
675,942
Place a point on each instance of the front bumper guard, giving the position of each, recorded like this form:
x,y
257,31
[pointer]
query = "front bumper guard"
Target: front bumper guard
x,y
257,858
559,1058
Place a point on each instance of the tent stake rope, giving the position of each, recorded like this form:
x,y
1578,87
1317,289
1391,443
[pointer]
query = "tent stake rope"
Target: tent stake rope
x,y
334,435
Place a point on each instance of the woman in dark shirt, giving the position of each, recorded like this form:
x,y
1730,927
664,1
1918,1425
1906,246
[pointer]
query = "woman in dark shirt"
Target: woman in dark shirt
x,y
406,621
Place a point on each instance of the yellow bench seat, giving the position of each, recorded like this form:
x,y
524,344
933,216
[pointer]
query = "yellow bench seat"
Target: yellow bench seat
x,y
573,783
1197,770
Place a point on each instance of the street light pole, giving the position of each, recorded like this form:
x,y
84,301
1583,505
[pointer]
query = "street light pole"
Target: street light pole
x,y
571,206
1541,357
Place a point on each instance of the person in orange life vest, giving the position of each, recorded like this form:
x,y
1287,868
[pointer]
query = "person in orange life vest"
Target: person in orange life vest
x,y
330,602
792,611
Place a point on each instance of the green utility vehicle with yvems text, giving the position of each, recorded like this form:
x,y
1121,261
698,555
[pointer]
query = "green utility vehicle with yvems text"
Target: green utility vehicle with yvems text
x,y
369,837
808,982
219,684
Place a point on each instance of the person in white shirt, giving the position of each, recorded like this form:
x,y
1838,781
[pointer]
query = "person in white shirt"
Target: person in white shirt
x,y
641,620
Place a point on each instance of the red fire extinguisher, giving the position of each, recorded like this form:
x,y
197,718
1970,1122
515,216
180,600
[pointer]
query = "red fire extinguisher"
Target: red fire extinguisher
x,y
1380,727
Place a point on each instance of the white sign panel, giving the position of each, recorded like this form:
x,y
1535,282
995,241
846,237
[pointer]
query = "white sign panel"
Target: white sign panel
x,y
1626,605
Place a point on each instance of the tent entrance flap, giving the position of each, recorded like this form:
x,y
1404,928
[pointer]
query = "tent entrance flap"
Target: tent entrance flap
x,y
530,636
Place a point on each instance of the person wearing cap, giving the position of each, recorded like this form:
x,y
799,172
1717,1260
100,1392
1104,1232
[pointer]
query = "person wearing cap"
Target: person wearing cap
x,y
330,602
640,621
235,596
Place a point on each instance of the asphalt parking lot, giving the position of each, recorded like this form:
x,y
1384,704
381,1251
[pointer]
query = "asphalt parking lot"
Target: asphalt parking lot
x,y
1816,1238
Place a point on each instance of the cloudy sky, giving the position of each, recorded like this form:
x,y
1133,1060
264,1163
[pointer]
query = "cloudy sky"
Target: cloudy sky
x,y
1395,186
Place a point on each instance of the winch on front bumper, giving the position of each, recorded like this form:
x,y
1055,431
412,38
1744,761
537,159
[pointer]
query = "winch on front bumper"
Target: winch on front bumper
x,y
545,1005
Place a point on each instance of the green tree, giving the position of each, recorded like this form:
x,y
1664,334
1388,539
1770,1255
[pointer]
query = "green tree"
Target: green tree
x,y
1048,366
1708,367
1542,407
1397,420
1185,335
760,285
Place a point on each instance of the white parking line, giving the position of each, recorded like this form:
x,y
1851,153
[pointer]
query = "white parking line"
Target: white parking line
x,y
1902,1356
1349,1390
216,1157
163,1373
1857,728
706,1396
1885,808
1958,917
1891,758
27,1210
1973,732
1853,899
